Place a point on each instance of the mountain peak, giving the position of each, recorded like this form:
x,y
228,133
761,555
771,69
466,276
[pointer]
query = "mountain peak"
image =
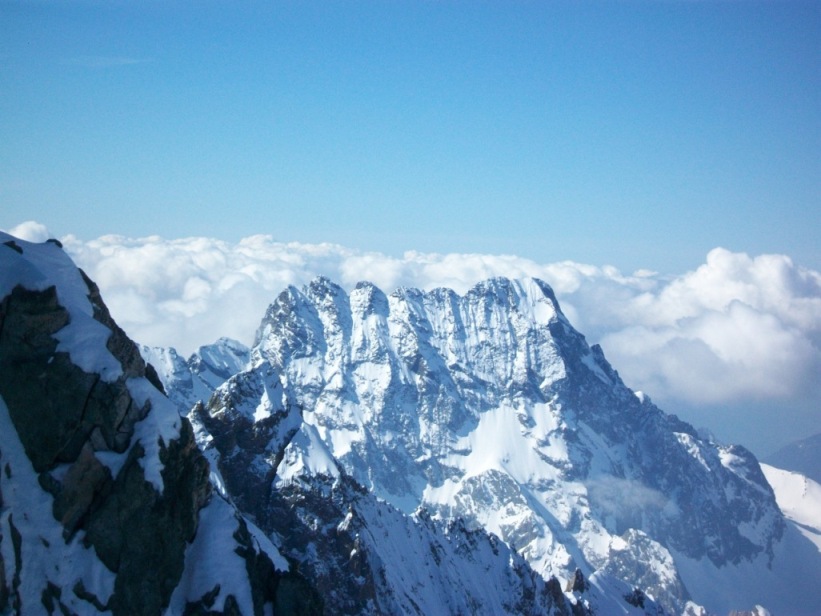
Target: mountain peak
x,y
489,410
458,360
367,299
530,296
396,447
321,287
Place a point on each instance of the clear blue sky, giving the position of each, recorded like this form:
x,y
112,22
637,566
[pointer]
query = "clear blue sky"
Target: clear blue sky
x,y
638,134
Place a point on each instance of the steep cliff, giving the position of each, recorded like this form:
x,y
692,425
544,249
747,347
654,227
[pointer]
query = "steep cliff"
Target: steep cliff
x,y
105,499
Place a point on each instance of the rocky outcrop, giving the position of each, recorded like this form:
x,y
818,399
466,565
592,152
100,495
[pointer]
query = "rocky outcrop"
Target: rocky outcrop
x,y
63,415
103,484
249,426
56,406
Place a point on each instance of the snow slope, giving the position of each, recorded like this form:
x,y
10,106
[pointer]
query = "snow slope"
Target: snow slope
x,y
799,497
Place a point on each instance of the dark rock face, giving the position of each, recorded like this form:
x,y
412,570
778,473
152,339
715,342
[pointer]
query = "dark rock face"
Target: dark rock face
x,y
636,598
56,407
85,479
4,590
291,592
62,416
309,519
578,583
802,456
140,534
119,344
250,450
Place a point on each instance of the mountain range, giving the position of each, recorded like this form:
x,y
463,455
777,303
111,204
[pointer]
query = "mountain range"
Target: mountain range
x,y
418,453
803,456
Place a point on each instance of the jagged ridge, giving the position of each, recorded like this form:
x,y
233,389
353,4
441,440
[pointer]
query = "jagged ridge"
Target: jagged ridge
x,y
490,409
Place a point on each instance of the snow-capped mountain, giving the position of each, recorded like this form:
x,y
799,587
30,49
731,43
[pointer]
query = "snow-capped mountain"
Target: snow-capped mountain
x,y
196,378
491,411
105,503
106,506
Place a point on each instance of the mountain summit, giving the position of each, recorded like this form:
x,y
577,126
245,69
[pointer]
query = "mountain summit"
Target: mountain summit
x,y
489,410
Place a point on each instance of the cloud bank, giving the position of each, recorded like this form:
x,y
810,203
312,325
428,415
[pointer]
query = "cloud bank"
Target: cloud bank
x,y
739,332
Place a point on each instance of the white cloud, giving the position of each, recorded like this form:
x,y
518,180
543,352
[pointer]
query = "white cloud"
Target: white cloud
x,y
624,498
737,330
31,231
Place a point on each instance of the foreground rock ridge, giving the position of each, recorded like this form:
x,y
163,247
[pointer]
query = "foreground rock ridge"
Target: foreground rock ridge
x,y
105,500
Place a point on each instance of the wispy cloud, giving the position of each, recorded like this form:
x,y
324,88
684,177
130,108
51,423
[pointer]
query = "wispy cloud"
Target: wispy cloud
x,y
103,62
624,498
31,231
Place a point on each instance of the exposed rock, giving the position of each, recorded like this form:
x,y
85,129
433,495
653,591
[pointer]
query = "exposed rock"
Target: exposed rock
x,y
16,543
636,598
4,591
578,583
119,344
14,246
290,592
55,405
250,449
84,480
50,598
140,534
62,414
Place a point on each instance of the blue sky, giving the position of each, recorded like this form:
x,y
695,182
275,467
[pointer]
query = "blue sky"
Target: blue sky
x,y
637,134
